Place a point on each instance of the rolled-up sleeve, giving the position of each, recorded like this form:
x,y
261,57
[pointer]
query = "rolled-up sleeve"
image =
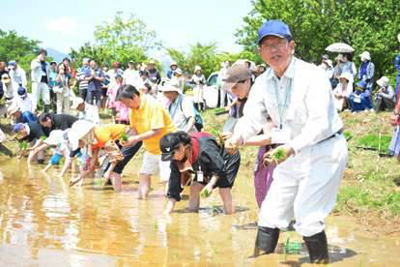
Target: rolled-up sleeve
x,y
254,114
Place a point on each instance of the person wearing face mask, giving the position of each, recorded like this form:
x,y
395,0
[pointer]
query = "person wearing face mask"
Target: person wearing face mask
x,y
199,161
40,74
313,155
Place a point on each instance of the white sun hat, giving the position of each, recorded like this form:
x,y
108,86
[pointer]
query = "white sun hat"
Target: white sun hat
x,y
78,131
366,55
383,81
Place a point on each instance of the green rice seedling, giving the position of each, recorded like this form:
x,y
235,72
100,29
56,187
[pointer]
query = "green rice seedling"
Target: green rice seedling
x,y
123,137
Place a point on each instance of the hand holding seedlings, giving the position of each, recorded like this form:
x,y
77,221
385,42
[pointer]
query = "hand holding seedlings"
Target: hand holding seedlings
x,y
278,155
123,137
207,190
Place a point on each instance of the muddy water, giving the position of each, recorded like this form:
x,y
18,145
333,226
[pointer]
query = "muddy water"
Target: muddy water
x,y
44,222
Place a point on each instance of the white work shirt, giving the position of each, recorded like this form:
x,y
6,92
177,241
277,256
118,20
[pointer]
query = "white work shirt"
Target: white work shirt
x,y
91,113
25,104
181,110
18,76
310,115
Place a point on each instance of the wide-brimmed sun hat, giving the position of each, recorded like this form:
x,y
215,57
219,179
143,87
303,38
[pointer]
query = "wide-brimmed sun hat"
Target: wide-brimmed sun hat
x,y
383,81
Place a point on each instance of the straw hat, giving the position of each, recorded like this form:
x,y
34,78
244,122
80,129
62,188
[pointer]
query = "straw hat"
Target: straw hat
x,y
13,108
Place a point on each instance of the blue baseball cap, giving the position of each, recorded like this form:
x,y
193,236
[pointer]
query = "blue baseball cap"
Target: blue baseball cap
x,y
275,28
18,127
12,63
21,91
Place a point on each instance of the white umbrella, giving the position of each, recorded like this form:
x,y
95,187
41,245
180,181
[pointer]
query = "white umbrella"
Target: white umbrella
x,y
340,48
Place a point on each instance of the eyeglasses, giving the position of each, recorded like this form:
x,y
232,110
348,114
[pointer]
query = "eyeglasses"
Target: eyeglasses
x,y
243,81
276,45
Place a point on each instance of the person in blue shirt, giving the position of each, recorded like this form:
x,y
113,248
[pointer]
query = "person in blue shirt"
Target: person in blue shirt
x,y
52,82
95,77
14,111
397,66
359,100
171,72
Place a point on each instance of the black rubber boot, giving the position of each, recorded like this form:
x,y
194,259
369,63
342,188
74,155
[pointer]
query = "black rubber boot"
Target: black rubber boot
x,y
266,240
317,246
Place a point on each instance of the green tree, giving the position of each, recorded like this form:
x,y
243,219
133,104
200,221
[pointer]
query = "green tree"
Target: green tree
x,y
199,54
18,48
364,24
121,40
207,57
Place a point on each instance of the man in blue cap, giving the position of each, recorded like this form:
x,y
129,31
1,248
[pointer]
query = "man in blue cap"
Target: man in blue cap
x,y
312,156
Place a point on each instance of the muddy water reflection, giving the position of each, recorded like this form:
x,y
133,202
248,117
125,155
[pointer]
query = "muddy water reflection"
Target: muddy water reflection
x,y
44,222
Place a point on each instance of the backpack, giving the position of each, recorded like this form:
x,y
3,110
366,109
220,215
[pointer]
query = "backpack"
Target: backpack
x,y
198,122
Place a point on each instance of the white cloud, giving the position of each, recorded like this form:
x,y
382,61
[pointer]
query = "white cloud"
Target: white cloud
x,y
63,25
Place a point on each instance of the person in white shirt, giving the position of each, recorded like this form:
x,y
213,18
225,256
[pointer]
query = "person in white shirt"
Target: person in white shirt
x,y
298,99
181,109
40,74
222,95
178,80
23,100
131,76
342,91
17,74
86,111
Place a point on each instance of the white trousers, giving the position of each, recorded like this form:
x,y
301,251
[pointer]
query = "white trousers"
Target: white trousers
x,y
305,188
198,94
63,103
40,90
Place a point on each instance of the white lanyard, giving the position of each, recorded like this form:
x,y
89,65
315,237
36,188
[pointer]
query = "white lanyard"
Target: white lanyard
x,y
282,108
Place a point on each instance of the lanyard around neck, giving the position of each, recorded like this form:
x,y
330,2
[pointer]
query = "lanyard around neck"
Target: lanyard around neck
x,y
282,108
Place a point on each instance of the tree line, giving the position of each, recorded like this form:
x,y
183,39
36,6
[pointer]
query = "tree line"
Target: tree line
x,y
364,24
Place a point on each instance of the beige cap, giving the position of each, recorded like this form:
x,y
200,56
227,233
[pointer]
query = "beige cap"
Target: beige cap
x,y
235,74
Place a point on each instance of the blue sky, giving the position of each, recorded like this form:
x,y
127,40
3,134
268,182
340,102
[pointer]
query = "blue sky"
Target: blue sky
x,y
70,23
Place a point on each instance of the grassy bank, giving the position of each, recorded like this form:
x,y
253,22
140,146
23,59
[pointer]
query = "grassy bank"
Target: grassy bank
x,y
369,184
